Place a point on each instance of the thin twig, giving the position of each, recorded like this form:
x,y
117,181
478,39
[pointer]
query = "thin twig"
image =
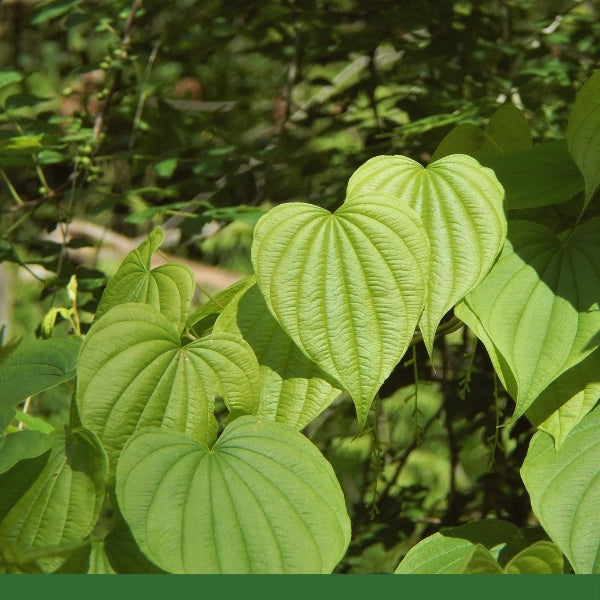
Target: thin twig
x,y
125,43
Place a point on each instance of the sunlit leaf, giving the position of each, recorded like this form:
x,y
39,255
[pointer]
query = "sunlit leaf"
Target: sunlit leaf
x,y
61,504
262,500
583,134
564,487
539,304
541,558
347,287
293,390
134,372
168,288
460,204
438,554
567,399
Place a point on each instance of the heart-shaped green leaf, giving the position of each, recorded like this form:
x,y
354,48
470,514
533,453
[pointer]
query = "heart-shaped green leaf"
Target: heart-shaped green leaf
x,y
460,204
262,500
348,287
539,304
168,288
37,366
507,131
541,558
134,372
564,487
293,390
61,504
583,134
438,554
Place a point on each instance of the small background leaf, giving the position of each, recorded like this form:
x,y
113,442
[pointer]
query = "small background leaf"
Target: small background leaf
x,y
583,134
60,503
37,366
168,288
541,558
293,389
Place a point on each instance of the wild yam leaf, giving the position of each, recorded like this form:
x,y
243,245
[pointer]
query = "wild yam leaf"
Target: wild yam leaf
x,y
262,500
293,389
564,487
168,288
348,287
134,372
61,504
461,206
539,304
583,134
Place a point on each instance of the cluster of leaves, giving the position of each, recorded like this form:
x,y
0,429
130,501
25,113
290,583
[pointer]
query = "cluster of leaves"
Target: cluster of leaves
x,y
217,111
332,307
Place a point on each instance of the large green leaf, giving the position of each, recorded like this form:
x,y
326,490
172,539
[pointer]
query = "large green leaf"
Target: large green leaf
x,y
539,305
347,287
507,131
37,366
460,204
564,487
168,288
438,554
293,389
60,505
583,134
262,500
539,176
563,403
134,372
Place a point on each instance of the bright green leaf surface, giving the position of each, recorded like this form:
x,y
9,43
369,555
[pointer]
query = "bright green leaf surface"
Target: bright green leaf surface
x,y
21,144
460,204
583,134
539,305
348,288
21,446
563,403
541,558
564,487
567,399
61,504
293,390
37,366
134,372
263,500
439,554
168,288
540,176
